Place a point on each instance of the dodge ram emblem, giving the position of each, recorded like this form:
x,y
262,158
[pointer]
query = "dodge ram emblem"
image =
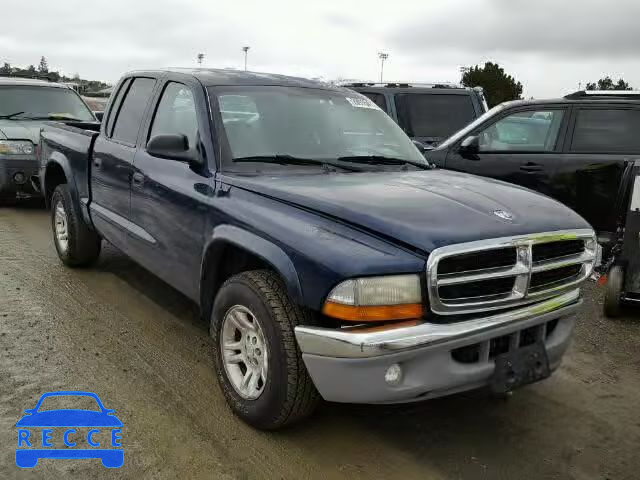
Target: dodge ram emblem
x,y
503,214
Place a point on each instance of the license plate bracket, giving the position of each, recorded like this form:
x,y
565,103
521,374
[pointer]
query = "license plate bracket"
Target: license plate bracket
x,y
520,367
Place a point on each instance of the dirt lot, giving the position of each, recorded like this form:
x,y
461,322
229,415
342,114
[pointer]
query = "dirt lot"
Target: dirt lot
x,y
118,331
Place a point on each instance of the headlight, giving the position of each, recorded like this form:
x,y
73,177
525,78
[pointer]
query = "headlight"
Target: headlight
x,y
591,245
16,147
371,299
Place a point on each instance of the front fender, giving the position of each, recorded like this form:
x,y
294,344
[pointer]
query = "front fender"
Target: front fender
x,y
266,250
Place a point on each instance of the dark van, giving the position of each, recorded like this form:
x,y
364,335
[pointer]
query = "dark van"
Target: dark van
x,y
428,113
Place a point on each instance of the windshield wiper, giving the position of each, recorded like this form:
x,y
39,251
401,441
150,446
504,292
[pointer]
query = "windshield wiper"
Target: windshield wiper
x,y
10,116
57,117
291,160
382,160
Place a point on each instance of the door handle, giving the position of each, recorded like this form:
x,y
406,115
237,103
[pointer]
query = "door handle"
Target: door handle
x,y
97,162
137,180
531,167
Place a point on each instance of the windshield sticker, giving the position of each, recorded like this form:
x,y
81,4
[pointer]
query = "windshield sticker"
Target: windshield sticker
x,y
362,103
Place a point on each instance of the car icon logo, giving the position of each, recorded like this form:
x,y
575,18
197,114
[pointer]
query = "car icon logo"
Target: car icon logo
x,y
75,428
503,214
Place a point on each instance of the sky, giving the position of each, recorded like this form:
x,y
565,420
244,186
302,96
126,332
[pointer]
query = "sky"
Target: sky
x,y
550,46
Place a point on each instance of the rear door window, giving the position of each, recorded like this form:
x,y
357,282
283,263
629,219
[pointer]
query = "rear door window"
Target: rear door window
x,y
115,105
605,130
378,99
131,112
433,115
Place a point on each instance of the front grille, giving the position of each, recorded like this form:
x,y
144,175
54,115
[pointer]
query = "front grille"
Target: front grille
x,y
545,251
505,272
489,349
500,257
477,289
548,277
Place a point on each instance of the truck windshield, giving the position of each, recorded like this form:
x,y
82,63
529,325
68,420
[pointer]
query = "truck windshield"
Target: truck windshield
x,y
267,123
42,103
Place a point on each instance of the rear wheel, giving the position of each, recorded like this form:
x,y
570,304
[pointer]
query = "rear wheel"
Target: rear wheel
x,y
258,363
613,292
77,245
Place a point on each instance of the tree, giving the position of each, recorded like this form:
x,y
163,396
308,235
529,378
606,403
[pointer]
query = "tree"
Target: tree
x,y
606,83
498,86
43,67
42,70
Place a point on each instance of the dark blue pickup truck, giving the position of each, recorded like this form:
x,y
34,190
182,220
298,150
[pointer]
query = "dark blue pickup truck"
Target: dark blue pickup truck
x,y
329,257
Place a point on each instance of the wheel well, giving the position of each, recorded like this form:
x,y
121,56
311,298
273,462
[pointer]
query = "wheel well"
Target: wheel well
x,y
221,262
54,176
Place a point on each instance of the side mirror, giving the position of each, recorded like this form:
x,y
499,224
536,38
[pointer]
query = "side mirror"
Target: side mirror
x,y
470,147
99,115
419,145
171,147
29,410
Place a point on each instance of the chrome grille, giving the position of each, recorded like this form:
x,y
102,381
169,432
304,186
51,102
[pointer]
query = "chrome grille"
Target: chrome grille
x,y
505,272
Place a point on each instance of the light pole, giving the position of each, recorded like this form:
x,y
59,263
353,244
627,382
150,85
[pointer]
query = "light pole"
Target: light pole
x,y
463,70
200,57
246,52
382,56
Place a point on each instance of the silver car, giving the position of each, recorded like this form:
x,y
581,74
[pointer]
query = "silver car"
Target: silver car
x,y
25,104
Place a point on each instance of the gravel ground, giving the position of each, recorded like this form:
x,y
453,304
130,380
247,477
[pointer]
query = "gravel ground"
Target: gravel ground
x,y
118,331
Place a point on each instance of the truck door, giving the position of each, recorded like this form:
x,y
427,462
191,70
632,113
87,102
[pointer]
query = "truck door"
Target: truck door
x,y
169,197
602,138
520,147
111,162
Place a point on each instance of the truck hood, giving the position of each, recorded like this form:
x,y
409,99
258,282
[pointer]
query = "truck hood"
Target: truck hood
x,y
21,130
424,209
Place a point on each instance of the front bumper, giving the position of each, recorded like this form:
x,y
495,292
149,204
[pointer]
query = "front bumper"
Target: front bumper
x,y
349,365
30,187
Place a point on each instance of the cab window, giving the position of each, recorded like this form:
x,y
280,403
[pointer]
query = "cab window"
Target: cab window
x,y
176,114
529,131
378,99
434,116
131,113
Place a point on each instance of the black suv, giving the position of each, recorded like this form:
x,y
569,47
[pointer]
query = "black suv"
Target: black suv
x,y
578,149
428,113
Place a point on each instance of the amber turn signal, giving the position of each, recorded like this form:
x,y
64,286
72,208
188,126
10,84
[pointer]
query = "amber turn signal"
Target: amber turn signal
x,y
377,313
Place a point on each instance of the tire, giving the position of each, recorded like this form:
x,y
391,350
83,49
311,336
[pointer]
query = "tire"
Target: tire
x,y
8,201
613,292
82,244
288,394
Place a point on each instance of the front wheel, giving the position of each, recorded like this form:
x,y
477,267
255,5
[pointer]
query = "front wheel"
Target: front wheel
x,y
8,200
77,245
613,292
258,363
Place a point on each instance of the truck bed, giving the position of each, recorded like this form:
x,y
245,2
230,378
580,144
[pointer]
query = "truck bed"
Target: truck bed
x,y
72,144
